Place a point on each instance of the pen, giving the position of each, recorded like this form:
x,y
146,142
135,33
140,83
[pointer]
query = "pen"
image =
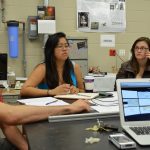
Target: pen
x,y
50,102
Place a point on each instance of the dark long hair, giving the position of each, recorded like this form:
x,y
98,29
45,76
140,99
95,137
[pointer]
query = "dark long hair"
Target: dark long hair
x,y
134,62
52,78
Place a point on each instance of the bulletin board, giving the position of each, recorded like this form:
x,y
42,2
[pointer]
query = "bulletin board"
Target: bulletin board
x,y
101,15
78,52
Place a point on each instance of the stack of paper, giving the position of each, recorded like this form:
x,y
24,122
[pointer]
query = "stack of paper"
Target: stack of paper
x,y
108,105
78,96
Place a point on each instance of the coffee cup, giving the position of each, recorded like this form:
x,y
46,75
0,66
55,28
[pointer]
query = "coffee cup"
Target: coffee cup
x,y
89,83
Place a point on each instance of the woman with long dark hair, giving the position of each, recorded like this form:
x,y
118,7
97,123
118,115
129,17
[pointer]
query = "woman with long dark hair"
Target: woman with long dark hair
x,y
57,74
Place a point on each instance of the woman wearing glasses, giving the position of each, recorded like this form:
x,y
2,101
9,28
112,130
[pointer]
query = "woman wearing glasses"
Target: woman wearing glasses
x,y
57,74
139,64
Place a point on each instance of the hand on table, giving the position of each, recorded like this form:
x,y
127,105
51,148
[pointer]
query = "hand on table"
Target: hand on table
x,y
62,89
80,105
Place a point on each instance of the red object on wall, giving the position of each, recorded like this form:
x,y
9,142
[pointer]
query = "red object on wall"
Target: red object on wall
x,y
112,52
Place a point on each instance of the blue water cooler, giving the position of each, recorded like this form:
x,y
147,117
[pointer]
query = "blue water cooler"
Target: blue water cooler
x,y
13,38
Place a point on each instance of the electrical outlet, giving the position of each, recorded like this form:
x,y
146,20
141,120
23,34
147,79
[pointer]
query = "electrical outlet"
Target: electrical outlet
x,y
122,52
112,52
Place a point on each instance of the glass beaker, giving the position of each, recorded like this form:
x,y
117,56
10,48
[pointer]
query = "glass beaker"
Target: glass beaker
x,y
11,79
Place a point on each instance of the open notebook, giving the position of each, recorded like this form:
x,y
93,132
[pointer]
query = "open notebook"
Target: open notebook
x,y
78,96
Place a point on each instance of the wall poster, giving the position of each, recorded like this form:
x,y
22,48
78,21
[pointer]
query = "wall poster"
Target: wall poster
x,y
101,15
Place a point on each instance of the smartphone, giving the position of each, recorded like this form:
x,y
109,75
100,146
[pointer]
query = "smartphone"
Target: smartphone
x,y
105,94
122,141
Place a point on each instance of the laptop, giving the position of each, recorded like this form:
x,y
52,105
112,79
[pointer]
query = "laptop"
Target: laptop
x,y
134,104
3,69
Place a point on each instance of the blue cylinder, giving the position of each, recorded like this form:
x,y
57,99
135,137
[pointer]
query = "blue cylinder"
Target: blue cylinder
x,y
13,38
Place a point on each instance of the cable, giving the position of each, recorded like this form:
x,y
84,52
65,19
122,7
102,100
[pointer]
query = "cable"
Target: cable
x,y
3,11
105,100
105,105
24,62
120,57
117,56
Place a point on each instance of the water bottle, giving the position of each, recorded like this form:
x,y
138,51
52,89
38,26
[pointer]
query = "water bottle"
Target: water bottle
x,y
13,38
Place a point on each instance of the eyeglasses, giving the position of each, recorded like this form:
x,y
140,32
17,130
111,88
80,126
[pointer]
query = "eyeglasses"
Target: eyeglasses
x,y
141,48
62,46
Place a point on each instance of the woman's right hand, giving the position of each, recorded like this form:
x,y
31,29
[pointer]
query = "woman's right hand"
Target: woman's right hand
x,y
148,54
62,89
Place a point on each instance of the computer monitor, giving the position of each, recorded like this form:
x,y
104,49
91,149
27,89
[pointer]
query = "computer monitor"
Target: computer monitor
x,y
3,66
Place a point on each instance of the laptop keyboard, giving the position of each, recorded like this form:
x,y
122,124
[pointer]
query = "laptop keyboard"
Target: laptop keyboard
x,y
141,130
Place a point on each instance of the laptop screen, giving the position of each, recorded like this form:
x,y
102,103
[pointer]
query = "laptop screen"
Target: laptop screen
x,y
3,66
136,100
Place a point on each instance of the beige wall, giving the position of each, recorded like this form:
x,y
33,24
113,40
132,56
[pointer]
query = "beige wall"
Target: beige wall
x,y
138,24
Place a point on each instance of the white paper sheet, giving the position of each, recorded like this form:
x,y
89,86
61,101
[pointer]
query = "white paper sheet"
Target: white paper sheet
x,y
106,109
107,40
46,26
106,105
43,101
